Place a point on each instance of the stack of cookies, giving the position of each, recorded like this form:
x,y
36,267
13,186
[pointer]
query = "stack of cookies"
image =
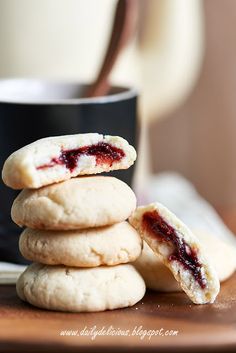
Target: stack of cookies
x,y
76,231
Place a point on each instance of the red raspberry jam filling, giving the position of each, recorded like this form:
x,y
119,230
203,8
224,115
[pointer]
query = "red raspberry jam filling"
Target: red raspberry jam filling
x,y
154,224
103,152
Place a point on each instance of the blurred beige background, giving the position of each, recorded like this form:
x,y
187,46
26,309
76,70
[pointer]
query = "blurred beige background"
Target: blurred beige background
x,y
198,138
181,60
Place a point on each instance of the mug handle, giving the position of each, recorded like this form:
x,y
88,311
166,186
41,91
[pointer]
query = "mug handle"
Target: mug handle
x,y
124,25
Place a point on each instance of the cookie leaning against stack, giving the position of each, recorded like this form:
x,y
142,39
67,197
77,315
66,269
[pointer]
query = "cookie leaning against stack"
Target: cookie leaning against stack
x,y
77,224
179,249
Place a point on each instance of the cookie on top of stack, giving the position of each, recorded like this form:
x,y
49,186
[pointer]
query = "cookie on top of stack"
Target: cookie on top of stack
x,y
77,234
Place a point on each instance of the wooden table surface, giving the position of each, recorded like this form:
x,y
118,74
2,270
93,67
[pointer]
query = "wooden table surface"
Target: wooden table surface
x,y
24,328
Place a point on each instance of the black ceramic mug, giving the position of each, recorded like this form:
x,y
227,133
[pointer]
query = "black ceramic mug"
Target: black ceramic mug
x,y
32,109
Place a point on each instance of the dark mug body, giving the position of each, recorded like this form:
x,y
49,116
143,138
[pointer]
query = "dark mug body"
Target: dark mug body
x,y
32,109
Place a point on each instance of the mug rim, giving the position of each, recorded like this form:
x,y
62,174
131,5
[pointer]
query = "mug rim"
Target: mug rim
x,y
125,94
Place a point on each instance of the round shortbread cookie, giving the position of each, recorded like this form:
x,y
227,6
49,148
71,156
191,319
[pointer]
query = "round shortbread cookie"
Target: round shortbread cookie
x,y
220,253
79,290
158,277
58,158
179,250
77,203
111,245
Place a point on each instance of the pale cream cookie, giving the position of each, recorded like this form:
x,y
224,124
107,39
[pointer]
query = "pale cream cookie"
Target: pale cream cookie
x,y
179,250
111,245
80,290
158,277
54,159
77,203
220,253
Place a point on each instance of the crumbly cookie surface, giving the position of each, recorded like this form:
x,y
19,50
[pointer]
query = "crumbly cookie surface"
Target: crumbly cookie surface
x,y
156,275
77,203
80,290
111,245
54,159
179,250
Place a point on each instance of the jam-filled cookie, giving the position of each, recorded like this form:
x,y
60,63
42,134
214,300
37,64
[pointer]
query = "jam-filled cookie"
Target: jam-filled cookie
x,y
179,250
80,289
76,203
111,245
54,159
158,277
